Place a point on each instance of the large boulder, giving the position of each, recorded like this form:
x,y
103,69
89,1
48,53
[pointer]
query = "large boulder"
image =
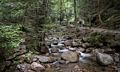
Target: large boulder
x,y
70,56
104,59
37,67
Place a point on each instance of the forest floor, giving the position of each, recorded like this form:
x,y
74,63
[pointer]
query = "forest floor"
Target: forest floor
x,y
67,53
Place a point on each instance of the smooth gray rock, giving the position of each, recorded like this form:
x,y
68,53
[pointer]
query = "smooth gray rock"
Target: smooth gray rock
x,y
37,67
44,59
104,59
70,56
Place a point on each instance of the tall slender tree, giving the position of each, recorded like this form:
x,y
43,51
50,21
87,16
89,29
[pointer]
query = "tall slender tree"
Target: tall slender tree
x,y
75,10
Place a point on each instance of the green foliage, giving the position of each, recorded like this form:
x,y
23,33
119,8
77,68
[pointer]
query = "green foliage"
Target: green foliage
x,y
11,11
50,26
66,10
96,39
9,36
9,39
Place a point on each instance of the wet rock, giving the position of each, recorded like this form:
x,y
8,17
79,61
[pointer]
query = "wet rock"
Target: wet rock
x,y
84,39
60,45
23,67
63,50
85,45
70,56
109,51
62,61
37,67
75,44
67,62
56,63
68,42
116,57
80,49
56,54
54,50
54,46
89,50
61,41
85,55
30,71
104,59
72,49
44,59
34,59
55,43
76,67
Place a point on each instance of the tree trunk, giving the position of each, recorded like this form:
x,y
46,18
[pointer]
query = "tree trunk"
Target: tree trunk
x,y
75,11
61,12
35,19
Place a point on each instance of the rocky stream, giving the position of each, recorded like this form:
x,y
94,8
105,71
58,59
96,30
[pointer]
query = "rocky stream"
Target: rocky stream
x,y
65,53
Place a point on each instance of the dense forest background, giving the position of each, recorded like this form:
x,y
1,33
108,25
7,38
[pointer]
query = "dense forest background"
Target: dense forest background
x,y
29,21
